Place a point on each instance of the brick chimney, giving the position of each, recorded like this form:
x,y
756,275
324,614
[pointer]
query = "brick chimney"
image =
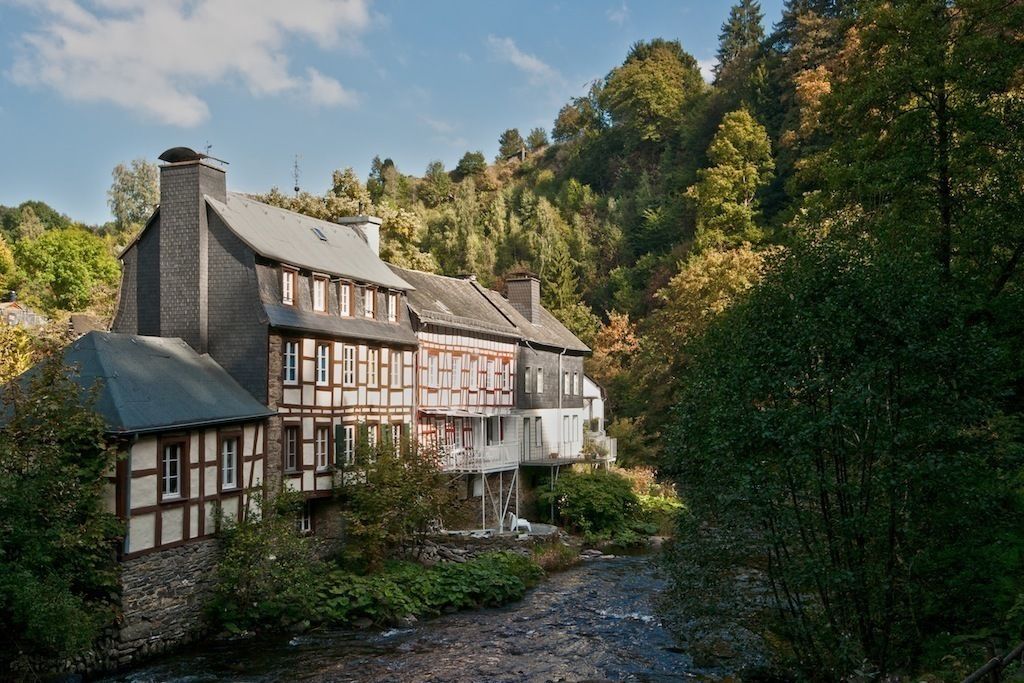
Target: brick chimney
x,y
184,246
524,294
369,226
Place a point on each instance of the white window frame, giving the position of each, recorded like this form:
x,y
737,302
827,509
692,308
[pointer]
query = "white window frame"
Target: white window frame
x,y
575,428
395,367
287,286
371,434
372,367
345,299
457,372
348,444
538,432
528,380
432,373
322,446
396,434
369,301
491,370
229,462
323,364
305,521
392,307
348,365
319,294
575,382
540,381
170,482
290,361
566,389
474,373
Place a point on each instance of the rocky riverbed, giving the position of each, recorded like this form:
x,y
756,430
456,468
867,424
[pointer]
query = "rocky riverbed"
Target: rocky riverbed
x,y
596,621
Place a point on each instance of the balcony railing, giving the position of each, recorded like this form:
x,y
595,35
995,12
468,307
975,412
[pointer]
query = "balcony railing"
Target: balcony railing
x,y
604,448
493,458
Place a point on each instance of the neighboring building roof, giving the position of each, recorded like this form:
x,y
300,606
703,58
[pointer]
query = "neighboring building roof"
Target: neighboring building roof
x,y
154,384
291,238
17,313
454,302
292,318
548,332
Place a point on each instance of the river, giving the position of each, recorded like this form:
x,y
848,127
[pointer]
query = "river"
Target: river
x,y
596,621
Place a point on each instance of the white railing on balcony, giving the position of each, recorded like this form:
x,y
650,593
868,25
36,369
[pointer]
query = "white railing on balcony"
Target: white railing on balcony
x,y
551,451
605,447
502,456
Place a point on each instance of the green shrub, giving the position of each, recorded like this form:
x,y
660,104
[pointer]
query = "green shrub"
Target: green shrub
x,y
405,588
269,576
58,573
598,504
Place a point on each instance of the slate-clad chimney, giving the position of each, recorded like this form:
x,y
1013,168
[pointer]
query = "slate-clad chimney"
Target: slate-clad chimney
x,y
524,294
184,240
369,226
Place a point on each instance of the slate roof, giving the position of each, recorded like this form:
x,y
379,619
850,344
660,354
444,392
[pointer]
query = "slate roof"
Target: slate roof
x,y
548,332
289,237
292,318
151,384
454,302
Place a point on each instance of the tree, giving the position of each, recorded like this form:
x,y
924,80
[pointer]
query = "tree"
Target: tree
x,y
510,144
7,272
537,138
471,164
581,116
725,193
58,573
29,225
67,267
741,33
436,187
134,193
17,352
648,94
390,492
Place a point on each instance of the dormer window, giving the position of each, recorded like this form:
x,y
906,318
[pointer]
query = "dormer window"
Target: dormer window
x,y
319,293
345,299
369,294
392,307
287,286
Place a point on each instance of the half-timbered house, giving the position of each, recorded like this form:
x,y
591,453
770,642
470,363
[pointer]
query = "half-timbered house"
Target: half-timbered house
x,y
301,312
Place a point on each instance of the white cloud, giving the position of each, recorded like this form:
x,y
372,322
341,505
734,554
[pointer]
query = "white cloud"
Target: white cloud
x,y
154,56
327,92
618,15
536,70
707,68
437,125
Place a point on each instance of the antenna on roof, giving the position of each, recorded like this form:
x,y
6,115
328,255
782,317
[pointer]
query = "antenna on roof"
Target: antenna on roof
x,y
295,173
208,148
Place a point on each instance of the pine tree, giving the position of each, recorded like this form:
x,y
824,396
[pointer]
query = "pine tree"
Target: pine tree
x,y
510,144
741,33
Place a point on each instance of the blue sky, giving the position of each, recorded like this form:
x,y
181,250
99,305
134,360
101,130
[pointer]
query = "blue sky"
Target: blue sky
x,y
85,84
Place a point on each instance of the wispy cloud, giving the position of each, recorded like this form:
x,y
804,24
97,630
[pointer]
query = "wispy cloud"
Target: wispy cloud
x,y
154,57
537,71
436,125
618,15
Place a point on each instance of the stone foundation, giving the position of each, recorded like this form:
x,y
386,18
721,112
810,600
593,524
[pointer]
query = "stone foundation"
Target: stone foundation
x,y
163,606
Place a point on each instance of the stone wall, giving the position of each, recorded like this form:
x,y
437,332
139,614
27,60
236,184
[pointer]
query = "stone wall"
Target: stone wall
x,y
444,548
163,605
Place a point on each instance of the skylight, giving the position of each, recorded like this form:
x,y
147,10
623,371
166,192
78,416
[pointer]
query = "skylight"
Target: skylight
x,y
319,233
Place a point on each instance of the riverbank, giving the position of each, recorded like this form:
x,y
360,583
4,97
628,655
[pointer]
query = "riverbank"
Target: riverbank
x,y
597,620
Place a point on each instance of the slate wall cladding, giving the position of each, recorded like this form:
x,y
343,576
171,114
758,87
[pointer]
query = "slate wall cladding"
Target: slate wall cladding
x,y
237,334
548,360
524,295
126,318
184,249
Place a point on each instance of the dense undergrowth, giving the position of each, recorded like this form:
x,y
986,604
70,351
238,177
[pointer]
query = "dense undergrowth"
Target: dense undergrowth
x,y
624,507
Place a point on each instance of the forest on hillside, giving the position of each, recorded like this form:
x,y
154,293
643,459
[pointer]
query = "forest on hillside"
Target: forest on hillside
x,y
802,285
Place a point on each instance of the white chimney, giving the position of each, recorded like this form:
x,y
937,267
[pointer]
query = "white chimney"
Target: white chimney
x,y
369,226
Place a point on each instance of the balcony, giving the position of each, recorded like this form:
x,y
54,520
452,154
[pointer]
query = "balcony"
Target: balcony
x,y
551,453
600,447
483,459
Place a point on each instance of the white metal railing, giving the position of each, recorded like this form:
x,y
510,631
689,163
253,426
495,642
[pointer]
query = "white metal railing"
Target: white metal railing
x,y
546,451
606,446
482,459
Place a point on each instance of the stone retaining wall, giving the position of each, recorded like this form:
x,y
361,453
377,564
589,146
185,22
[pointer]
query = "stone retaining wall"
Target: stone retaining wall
x,y
163,605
